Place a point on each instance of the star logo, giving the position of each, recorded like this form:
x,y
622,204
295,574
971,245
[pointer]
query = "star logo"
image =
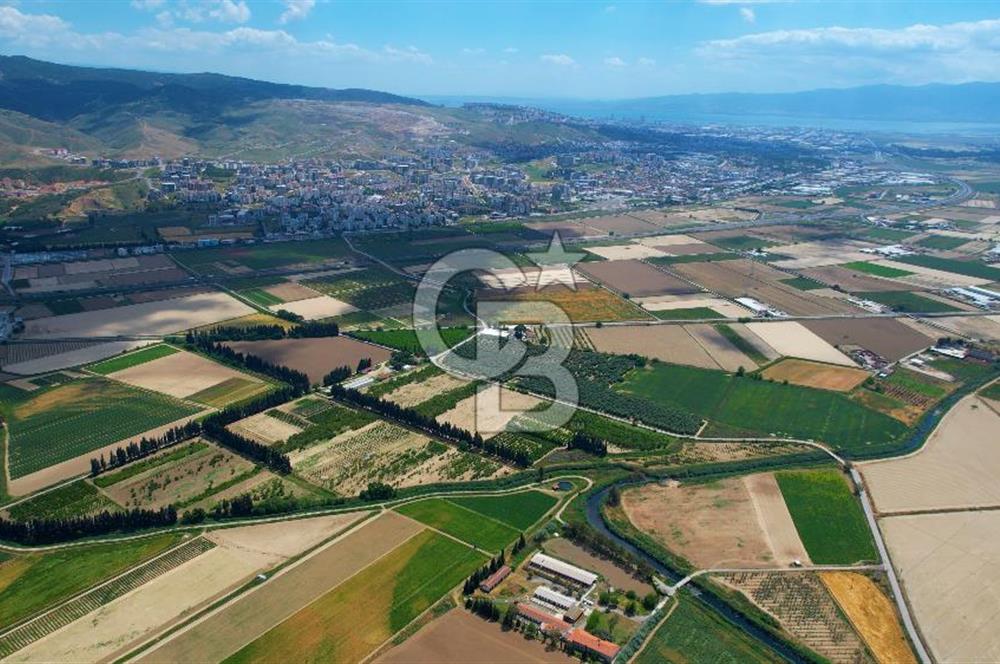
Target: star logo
x,y
555,264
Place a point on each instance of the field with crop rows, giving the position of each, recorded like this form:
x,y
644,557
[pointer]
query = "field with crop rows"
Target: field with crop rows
x,y
464,523
407,339
520,510
368,288
76,499
132,359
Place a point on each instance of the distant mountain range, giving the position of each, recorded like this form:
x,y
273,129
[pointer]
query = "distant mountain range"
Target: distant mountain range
x,y
937,103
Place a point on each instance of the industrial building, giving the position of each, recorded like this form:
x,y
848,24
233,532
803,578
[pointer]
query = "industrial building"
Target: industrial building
x,y
561,572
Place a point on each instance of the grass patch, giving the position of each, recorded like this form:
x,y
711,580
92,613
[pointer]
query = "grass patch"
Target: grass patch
x,y
992,391
942,242
741,344
442,403
76,499
132,359
694,313
266,256
802,283
133,469
229,391
328,424
975,269
963,370
260,297
519,510
762,407
353,619
31,583
742,243
827,516
406,340
461,522
696,635
891,235
907,301
876,269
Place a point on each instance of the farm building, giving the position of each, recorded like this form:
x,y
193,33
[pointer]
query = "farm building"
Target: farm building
x,y
561,572
494,579
549,598
544,620
588,644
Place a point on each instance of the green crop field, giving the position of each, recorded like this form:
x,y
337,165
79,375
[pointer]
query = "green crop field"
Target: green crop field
x,y
741,344
229,391
265,256
31,583
694,313
407,339
828,516
742,243
876,270
369,288
802,283
970,268
917,382
519,510
888,234
742,404
696,635
445,401
352,620
992,391
907,301
260,297
56,424
76,499
466,524
942,242
132,359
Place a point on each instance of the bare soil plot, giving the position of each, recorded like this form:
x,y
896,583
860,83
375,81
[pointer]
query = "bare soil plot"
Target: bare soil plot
x,y
179,375
148,318
977,327
416,393
621,252
264,429
774,518
718,347
821,253
792,339
291,291
885,336
739,278
506,278
623,224
678,239
314,308
949,566
565,228
711,525
635,278
459,637
872,614
816,374
930,278
855,282
564,549
489,411
84,353
314,357
957,466
754,340
669,343
801,603
231,627
671,302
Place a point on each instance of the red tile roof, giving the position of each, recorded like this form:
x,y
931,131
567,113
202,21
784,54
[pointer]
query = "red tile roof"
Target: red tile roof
x,y
547,620
490,582
587,640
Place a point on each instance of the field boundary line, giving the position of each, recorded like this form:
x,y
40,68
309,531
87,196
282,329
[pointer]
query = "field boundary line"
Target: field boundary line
x,y
475,547
485,516
655,629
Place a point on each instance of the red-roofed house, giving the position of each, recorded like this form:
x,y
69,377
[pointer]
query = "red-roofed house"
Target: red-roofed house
x,y
545,621
586,642
494,579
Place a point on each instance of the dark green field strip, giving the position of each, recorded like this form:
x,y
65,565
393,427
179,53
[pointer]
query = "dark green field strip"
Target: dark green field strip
x,y
803,283
461,522
518,510
762,408
876,270
827,516
970,268
942,242
368,288
407,339
80,606
907,301
741,344
76,499
260,297
267,256
73,419
132,359
693,313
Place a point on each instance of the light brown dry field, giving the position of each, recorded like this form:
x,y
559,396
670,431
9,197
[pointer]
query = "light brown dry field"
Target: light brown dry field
x,y
585,304
314,308
855,282
489,411
956,468
242,620
949,565
668,343
179,481
264,429
291,291
123,624
775,520
572,228
718,524
977,327
690,452
622,252
459,637
695,215
564,549
670,302
739,278
314,357
620,224
416,393
180,374
886,336
871,613
161,317
724,353
821,253
793,339
755,340
636,278
816,374
803,606
673,240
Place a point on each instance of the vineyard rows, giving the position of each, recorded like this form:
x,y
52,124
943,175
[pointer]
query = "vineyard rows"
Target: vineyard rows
x,y
21,637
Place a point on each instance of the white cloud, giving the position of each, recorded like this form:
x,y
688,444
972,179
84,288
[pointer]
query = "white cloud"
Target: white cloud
x,y
147,5
408,54
743,2
614,61
228,11
560,59
296,10
645,62
748,14
473,51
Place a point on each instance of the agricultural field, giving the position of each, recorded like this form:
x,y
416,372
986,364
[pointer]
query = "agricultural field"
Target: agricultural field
x,y
484,531
315,308
876,269
313,357
871,613
520,510
805,609
368,288
815,374
128,360
692,313
635,278
794,339
76,499
353,619
908,302
56,424
406,340
885,336
615,576
585,304
967,268
693,634
827,516
699,346
97,273
740,404
248,259
488,411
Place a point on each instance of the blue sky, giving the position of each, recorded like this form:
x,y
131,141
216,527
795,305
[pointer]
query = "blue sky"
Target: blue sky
x,y
597,50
